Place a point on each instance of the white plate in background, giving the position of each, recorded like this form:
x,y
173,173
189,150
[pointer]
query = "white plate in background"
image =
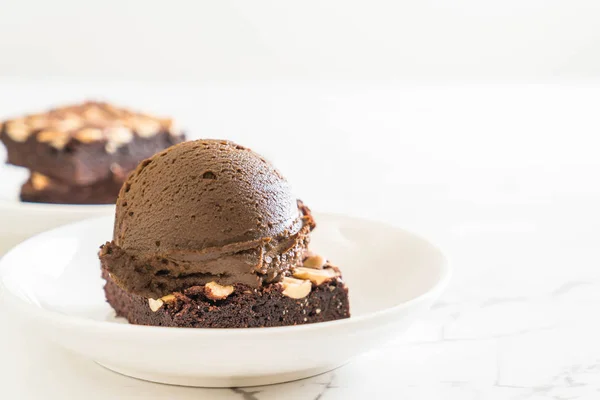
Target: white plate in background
x,y
53,282
19,220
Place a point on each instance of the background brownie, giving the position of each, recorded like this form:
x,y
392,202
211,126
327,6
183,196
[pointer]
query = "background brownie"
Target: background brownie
x,y
79,144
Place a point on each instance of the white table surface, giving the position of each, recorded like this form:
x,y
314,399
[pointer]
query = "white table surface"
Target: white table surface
x,y
504,179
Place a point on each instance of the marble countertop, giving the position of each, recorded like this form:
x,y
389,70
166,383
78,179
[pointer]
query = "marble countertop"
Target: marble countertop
x,y
520,318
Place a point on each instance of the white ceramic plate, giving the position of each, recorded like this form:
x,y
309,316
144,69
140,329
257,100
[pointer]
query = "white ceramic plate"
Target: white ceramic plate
x,y
19,220
53,281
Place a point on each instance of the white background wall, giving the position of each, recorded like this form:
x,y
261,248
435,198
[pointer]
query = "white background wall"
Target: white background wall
x,y
483,142
189,40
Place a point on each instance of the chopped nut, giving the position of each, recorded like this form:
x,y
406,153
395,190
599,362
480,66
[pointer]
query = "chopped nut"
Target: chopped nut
x,y
89,135
112,110
18,130
94,113
296,288
214,291
316,276
117,136
68,124
39,181
111,148
145,127
318,311
168,298
37,121
155,305
56,139
315,261
170,126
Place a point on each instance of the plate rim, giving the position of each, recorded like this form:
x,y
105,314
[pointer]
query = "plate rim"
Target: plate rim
x,y
52,316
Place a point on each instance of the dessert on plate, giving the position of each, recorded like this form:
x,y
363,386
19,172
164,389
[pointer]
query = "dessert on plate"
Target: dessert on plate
x,y
81,154
208,234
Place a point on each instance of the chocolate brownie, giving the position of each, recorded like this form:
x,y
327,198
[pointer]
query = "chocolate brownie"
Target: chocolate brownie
x,y
246,307
42,189
79,144
208,234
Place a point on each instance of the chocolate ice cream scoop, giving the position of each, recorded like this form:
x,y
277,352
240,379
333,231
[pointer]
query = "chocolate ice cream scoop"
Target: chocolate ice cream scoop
x,y
204,211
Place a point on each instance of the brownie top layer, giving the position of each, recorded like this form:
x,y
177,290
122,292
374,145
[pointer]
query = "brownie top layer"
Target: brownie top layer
x,y
205,210
87,122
